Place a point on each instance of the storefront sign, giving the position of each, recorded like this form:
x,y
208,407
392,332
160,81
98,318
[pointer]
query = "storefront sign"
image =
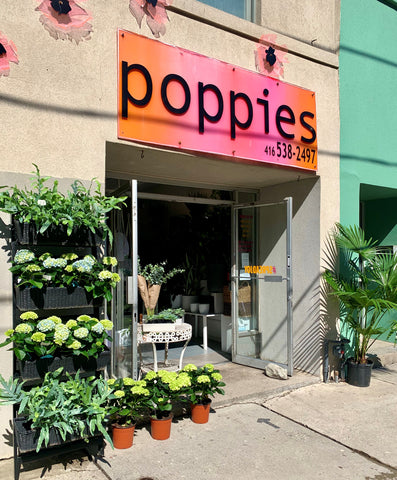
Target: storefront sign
x,y
175,98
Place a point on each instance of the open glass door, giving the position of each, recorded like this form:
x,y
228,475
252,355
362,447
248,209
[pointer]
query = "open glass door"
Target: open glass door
x,y
124,306
262,285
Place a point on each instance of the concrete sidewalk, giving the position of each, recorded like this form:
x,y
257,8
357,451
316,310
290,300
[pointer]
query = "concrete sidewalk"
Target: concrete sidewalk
x,y
263,428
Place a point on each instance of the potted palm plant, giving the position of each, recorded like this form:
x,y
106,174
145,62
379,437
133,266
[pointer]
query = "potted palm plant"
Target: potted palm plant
x,y
129,403
365,283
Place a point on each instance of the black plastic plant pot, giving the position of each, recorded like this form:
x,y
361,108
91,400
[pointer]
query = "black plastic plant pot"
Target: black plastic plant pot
x,y
27,234
36,369
359,374
53,298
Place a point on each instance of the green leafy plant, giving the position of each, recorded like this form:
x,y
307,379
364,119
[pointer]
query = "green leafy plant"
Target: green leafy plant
x,y
150,279
205,381
34,338
365,283
168,315
130,400
164,387
77,406
44,206
66,271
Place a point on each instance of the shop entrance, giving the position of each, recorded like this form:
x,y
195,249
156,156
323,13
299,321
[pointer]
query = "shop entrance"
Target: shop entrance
x,y
221,237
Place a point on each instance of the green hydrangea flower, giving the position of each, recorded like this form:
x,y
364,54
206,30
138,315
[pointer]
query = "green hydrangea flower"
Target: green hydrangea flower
x,y
104,275
61,334
209,367
111,381
46,325
98,343
33,268
71,323
139,390
55,319
184,379
83,318
115,277
69,268
140,383
203,379
107,324
38,337
75,345
9,332
44,256
216,376
150,375
70,256
110,261
128,381
81,332
119,393
28,316
189,368
23,328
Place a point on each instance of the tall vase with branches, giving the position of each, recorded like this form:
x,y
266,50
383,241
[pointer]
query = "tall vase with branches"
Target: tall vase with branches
x,y
365,282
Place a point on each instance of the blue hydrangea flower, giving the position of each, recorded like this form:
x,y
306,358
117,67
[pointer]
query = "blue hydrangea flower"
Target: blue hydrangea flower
x,y
55,262
98,328
82,266
46,325
23,256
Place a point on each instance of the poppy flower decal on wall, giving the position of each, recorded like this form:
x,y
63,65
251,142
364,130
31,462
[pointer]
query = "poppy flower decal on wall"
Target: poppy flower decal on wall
x,y
155,12
269,59
65,19
8,53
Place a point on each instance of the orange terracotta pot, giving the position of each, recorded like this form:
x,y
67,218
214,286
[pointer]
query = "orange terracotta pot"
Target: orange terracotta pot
x,y
201,413
123,436
160,429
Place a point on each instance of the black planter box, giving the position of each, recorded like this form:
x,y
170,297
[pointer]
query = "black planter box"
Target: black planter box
x,y
359,374
53,298
27,234
26,439
35,370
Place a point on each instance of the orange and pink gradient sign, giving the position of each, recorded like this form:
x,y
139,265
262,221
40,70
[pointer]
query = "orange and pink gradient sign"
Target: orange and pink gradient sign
x,y
174,98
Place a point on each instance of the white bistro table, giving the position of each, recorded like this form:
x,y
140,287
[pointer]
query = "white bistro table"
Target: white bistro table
x,y
163,333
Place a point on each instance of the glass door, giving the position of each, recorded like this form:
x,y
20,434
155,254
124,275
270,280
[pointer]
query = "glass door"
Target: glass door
x,y
262,285
124,306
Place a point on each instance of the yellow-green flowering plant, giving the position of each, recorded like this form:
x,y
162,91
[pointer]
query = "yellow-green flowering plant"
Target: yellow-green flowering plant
x,y
34,338
164,387
205,381
68,271
129,400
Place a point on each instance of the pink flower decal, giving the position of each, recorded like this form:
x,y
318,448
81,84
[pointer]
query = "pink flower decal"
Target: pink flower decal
x,y
155,12
270,60
8,53
65,19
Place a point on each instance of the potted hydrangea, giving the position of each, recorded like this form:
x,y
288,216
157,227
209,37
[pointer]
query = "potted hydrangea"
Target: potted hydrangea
x,y
42,345
164,387
205,381
129,403
48,282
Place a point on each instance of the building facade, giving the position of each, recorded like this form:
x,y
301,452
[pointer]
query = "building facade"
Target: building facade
x,y
368,75
62,109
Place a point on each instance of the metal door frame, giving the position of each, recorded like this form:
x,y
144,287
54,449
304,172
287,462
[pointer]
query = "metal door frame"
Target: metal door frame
x,y
253,362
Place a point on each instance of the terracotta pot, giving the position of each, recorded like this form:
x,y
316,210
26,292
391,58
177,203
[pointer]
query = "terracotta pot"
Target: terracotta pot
x,y
160,428
123,436
201,412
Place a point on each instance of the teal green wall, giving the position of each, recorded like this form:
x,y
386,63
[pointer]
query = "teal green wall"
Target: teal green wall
x,y
368,116
368,100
